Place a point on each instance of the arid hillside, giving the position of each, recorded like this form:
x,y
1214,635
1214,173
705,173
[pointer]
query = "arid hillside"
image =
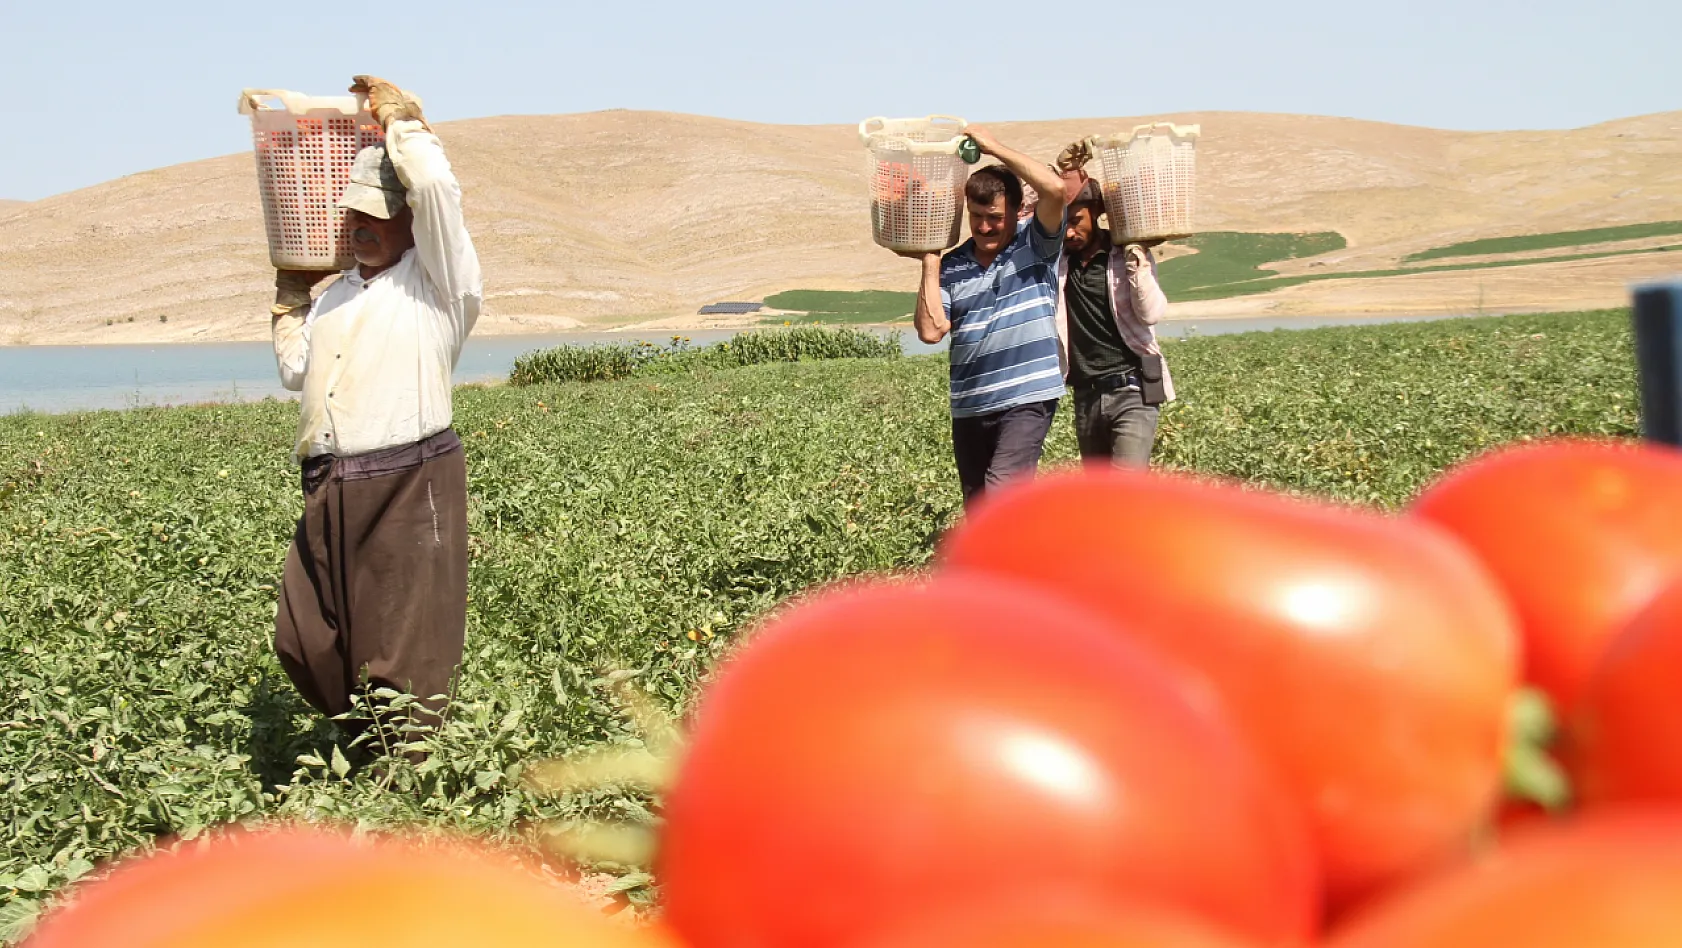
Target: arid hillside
x,y
615,218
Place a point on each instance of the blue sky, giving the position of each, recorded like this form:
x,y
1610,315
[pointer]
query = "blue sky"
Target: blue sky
x,y
101,89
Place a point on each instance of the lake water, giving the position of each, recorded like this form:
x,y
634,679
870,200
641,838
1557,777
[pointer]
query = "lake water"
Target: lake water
x,y
73,378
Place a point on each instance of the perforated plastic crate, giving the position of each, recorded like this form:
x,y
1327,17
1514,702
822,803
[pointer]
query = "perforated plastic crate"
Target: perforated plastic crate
x,y
916,181
304,147
1149,180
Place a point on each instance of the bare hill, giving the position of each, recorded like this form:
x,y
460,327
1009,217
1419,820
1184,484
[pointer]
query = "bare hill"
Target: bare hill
x,y
620,217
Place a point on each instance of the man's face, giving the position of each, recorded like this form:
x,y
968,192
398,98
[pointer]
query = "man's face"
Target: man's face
x,y
1083,227
992,225
376,242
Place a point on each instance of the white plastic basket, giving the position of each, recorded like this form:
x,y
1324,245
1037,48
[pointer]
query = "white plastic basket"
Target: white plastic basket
x,y
916,181
305,146
1149,181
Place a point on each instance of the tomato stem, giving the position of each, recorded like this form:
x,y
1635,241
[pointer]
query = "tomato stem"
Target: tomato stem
x,y
1531,774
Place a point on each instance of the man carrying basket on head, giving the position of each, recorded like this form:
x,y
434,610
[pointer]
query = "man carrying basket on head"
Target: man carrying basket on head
x,y
374,593
1108,303
996,295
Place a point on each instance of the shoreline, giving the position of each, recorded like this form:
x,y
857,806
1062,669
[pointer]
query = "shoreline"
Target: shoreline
x,y
70,378
663,327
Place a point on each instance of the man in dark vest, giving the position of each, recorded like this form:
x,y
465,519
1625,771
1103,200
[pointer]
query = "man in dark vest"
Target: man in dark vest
x,y
1108,304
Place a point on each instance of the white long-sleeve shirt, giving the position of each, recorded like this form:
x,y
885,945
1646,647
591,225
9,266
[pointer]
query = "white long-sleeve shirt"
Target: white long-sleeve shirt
x,y
373,358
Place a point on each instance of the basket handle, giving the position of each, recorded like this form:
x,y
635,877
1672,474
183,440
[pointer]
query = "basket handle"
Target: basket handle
x,y
877,123
1177,131
871,126
250,100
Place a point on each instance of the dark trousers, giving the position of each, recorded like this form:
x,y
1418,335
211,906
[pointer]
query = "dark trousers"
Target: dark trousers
x,y
992,449
375,586
1115,427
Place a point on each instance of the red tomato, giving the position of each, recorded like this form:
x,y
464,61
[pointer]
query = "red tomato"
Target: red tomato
x,y
1581,534
1368,657
1602,881
879,751
303,886
1518,815
1060,924
1623,743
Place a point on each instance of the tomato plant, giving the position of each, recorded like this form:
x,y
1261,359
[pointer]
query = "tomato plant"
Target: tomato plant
x,y
1607,881
1368,657
639,527
881,751
1580,533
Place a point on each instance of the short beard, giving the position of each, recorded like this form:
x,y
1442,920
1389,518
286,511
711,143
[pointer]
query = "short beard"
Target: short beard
x,y
381,260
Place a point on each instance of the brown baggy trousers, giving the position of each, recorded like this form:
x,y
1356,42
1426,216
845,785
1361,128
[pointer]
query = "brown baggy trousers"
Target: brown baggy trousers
x,y
376,581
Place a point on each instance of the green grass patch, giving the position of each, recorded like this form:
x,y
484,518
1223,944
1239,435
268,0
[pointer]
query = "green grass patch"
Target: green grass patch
x,y
1229,264
1554,241
854,306
1227,257
622,532
1277,283
616,361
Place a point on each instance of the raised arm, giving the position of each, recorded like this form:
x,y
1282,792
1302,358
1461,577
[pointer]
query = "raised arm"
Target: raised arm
x,y
292,349
1150,304
1041,177
930,318
446,252
289,322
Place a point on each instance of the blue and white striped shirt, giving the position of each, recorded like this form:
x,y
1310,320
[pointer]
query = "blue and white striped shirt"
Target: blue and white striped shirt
x,y
1004,323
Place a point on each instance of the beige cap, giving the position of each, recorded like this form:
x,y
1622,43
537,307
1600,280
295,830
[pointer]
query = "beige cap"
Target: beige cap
x,y
374,187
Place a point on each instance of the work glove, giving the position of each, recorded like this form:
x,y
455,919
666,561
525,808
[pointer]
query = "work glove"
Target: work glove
x,y
1074,157
1071,167
388,102
292,288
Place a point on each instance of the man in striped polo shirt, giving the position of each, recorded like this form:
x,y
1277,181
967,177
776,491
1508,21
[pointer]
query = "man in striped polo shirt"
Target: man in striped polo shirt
x,y
997,296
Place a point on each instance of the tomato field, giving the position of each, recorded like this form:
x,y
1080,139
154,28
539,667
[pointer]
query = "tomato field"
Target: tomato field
x,y
621,534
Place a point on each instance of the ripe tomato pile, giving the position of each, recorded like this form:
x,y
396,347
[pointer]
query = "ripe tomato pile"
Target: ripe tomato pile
x,y
294,886
1132,709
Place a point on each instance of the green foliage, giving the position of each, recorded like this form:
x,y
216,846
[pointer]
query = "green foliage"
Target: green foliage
x,y
800,344
596,363
626,527
621,535
1554,241
607,363
1368,414
1277,283
1225,257
1229,264
831,306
